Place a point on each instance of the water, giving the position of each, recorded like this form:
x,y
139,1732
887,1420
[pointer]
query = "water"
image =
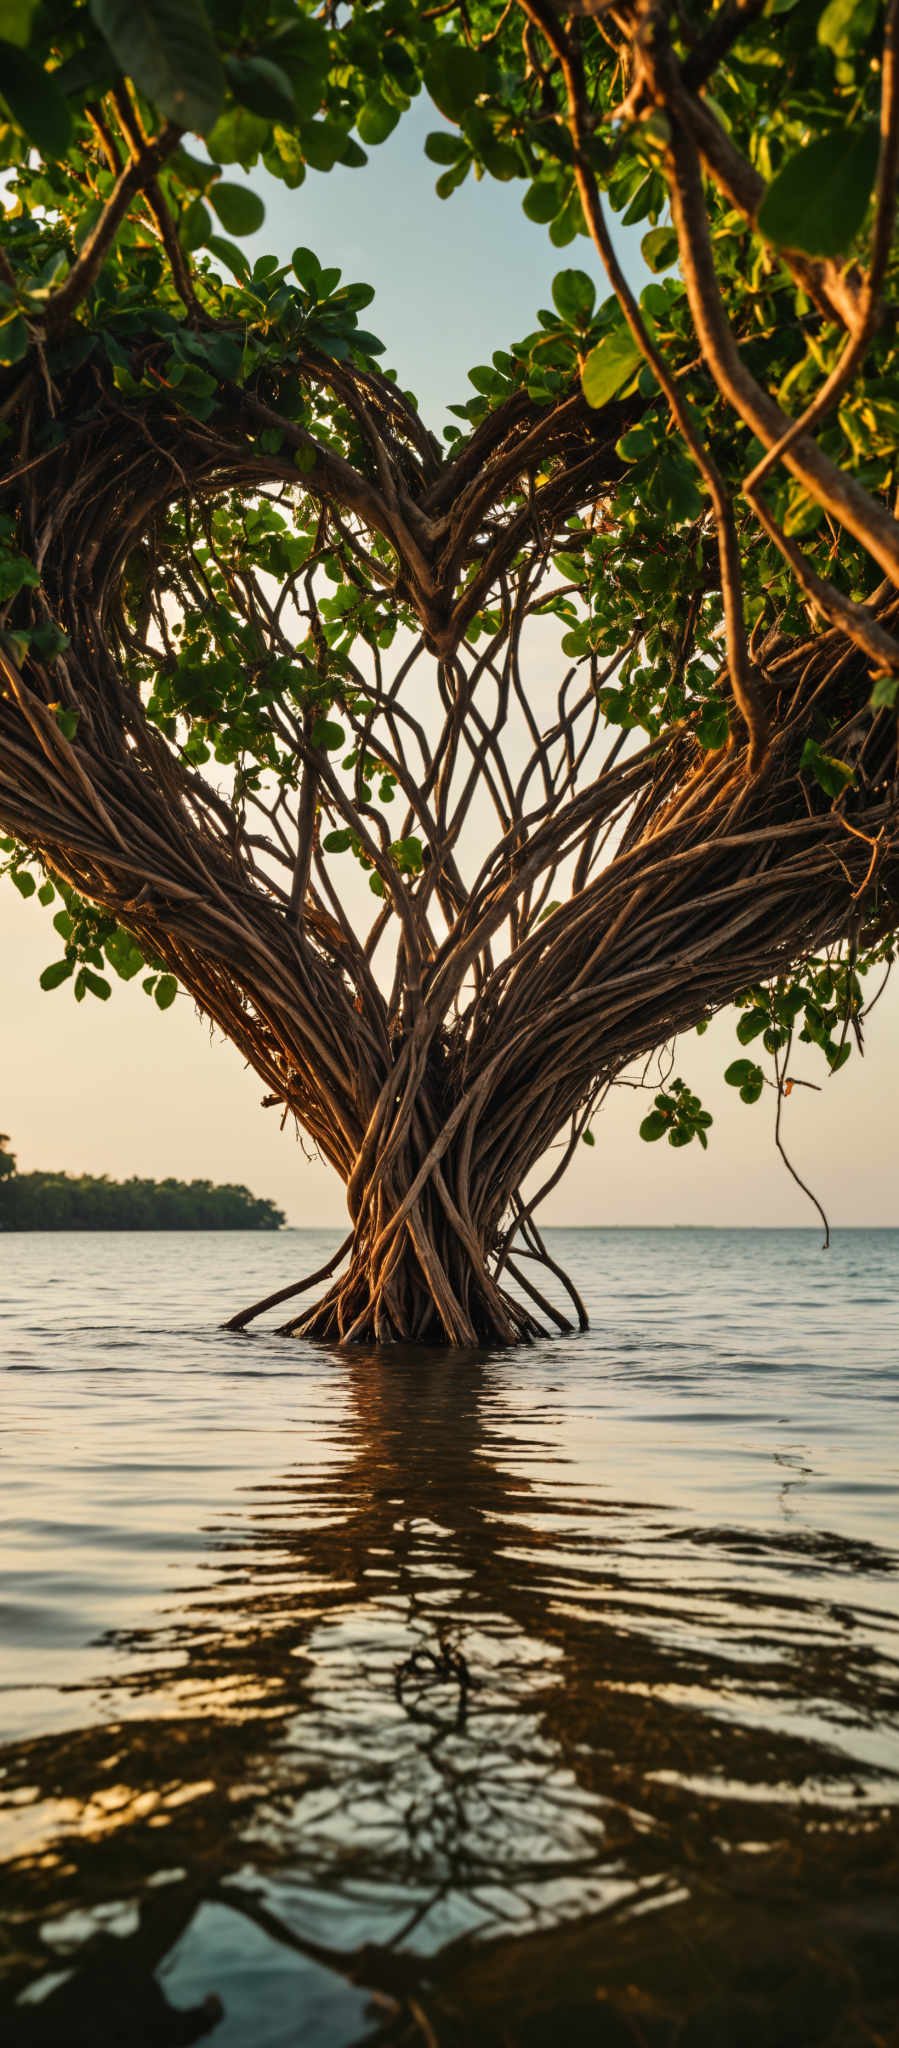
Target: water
x,y
430,1699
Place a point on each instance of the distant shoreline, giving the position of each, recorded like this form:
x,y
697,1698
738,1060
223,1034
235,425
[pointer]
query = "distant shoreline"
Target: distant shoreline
x,y
62,1202
337,1229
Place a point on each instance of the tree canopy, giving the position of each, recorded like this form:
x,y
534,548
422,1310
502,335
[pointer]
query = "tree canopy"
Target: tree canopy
x,y
66,1201
262,631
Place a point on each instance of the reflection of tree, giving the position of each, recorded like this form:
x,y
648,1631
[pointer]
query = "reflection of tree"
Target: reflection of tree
x,y
316,1761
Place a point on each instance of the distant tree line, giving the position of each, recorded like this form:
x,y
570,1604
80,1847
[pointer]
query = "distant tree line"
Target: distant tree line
x,y
63,1201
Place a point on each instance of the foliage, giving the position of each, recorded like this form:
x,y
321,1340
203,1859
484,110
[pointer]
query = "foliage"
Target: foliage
x,y
678,1115
91,938
221,515
7,1158
63,1201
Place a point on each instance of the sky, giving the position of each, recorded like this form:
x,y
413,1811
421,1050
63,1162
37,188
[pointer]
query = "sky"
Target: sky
x,y
120,1088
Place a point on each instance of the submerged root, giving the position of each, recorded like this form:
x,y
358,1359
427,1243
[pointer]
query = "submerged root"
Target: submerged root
x,y
422,1294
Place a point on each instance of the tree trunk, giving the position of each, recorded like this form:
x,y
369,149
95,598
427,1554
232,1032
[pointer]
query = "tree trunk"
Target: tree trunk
x,y
423,1269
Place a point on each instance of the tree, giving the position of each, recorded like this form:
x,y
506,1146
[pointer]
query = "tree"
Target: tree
x,y
63,1201
7,1158
220,515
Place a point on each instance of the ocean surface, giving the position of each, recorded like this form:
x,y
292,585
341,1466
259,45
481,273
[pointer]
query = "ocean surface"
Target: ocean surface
x,y
437,1699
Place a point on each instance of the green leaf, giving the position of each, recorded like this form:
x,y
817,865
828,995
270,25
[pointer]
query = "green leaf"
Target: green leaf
x,y
444,149
674,491
15,340
35,101
238,137
92,67
609,365
123,955
659,249
46,893
223,352
233,258
713,727
326,733
751,1024
356,296
376,121
167,47
239,209
751,1089
747,1077
739,1072
884,693
654,1126
337,842
16,644
543,200
165,991
569,221
587,1138
15,21
803,513
845,24
195,225
23,881
47,642
819,200
191,170
832,775
454,77
574,296
17,573
408,854
324,143
450,180
307,269
57,973
97,984
262,86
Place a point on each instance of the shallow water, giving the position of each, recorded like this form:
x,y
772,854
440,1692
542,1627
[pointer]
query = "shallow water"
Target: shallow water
x,y
417,1698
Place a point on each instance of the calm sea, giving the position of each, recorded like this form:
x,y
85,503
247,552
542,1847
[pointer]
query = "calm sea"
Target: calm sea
x,y
436,1699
